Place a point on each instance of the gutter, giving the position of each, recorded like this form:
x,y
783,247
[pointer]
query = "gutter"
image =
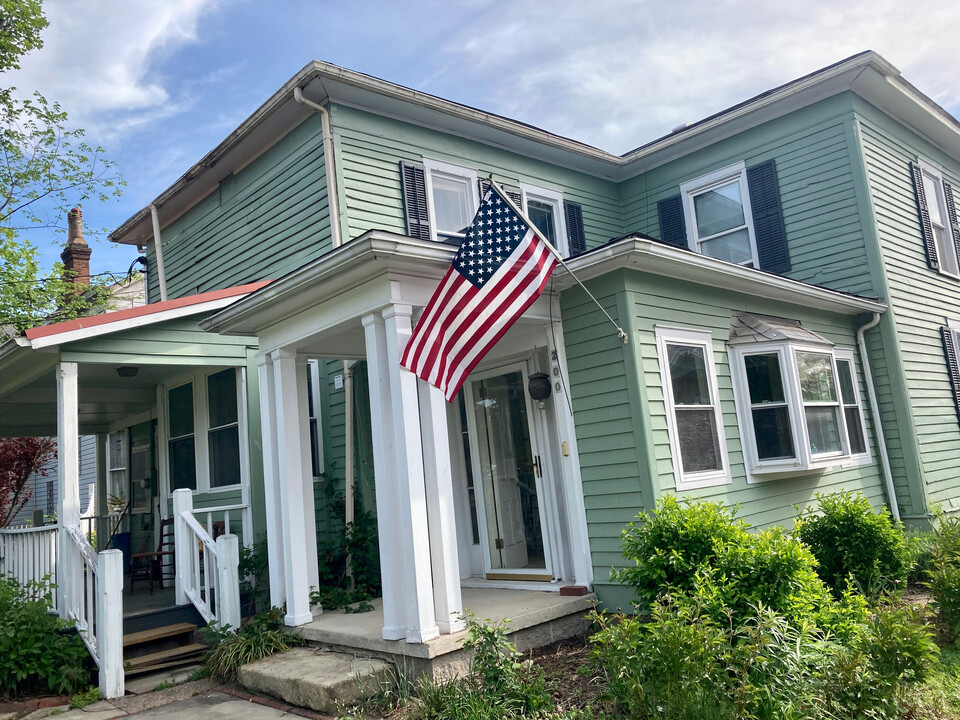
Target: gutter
x,y
158,250
333,196
875,414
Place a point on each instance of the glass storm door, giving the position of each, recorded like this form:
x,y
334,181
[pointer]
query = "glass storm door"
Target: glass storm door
x,y
509,469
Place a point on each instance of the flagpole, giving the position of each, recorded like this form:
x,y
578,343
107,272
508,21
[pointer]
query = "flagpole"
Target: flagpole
x,y
556,254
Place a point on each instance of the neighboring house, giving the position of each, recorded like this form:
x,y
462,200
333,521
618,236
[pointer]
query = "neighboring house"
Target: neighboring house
x,y
785,270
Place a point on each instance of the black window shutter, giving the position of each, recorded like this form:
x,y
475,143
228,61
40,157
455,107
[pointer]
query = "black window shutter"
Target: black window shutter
x,y
952,215
673,230
573,213
926,227
514,193
414,183
953,365
768,217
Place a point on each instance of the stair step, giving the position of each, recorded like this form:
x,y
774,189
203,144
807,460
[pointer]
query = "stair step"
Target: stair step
x,y
166,631
164,658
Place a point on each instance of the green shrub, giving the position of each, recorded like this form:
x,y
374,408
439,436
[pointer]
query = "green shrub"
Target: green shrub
x,y
849,539
38,651
943,577
87,697
919,556
259,637
499,685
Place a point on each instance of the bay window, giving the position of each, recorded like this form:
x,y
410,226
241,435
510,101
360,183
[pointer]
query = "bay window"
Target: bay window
x,y
799,406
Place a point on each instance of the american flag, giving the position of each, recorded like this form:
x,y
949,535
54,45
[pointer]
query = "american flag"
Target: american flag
x,y
501,268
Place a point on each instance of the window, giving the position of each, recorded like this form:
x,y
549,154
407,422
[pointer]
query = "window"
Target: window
x,y
452,197
544,208
799,406
850,397
117,470
203,426
718,216
182,444
313,408
935,196
694,420
223,435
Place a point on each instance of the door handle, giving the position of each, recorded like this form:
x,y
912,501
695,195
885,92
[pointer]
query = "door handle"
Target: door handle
x,y
537,467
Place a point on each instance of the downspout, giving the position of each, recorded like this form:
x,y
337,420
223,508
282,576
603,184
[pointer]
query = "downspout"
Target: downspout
x,y
333,204
158,249
875,413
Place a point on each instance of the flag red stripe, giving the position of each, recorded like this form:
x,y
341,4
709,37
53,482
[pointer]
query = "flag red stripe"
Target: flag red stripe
x,y
433,314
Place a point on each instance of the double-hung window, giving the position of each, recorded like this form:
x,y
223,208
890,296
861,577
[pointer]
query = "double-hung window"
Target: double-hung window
x,y
313,411
182,444
935,198
694,420
223,433
452,198
799,406
719,220
544,208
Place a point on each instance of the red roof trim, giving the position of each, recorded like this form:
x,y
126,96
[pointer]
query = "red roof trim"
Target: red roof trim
x,y
142,311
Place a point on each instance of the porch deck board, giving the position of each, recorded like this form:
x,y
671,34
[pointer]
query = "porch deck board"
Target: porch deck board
x,y
523,608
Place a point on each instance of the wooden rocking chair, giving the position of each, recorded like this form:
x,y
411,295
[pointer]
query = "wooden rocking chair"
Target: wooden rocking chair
x,y
148,566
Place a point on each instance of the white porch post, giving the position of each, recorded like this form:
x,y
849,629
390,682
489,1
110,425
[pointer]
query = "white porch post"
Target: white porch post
x,y
271,481
570,459
438,479
102,524
414,537
293,504
306,474
182,552
110,622
68,482
381,430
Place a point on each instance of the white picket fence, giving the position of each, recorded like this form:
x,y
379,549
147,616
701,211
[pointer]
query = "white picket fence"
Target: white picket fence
x,y
30,554
206,569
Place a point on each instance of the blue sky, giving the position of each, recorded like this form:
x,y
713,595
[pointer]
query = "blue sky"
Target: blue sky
x,y
159,83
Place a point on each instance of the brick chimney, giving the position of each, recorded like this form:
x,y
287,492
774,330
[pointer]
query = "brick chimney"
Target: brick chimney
x,y
76,256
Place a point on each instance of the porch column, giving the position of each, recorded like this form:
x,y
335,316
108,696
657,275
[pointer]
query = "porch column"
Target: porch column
x,y
438,479
306,474
271,482
293,504
102,524
388,526
411,509
68,480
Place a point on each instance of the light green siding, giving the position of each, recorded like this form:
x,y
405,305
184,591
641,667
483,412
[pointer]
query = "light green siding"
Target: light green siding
x,y
262,222
372,146
921,301
817,190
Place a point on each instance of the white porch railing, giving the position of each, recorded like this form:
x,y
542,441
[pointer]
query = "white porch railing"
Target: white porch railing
x,y
30,554
206,569
91,590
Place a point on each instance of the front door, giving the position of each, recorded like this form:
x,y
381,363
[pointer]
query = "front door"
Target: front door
x,y
504,450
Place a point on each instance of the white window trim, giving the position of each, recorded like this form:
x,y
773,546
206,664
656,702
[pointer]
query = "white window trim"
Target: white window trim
x,y
804,460
313,367
433,167
935,172
555,199
704,339
201,430
847,354
722,176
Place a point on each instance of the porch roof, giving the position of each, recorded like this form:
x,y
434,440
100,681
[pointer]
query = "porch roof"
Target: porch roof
x,y
377,252
159,341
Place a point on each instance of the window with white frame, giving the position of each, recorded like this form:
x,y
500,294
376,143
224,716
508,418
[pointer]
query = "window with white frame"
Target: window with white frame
x,y
933,191
544,208
852,405
313,408
718,216
117,470
452,199
799,406
694,420
203,432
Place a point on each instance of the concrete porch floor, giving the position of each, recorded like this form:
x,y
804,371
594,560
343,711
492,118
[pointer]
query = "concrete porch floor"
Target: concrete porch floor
x,y
535,619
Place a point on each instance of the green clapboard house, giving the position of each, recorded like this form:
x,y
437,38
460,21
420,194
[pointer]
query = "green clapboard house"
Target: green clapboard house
x,y
786,272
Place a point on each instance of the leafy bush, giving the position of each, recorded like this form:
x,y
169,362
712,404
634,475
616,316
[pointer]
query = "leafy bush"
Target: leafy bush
x,y
849,539
919,556
944,574
38,653
499,685
259,637
254,578
87,697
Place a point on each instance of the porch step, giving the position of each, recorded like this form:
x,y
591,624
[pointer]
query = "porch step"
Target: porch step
x,y
164,659
318,679
160,633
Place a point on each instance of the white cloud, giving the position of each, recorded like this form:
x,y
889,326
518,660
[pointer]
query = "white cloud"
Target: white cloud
x,y
617,74
99,58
